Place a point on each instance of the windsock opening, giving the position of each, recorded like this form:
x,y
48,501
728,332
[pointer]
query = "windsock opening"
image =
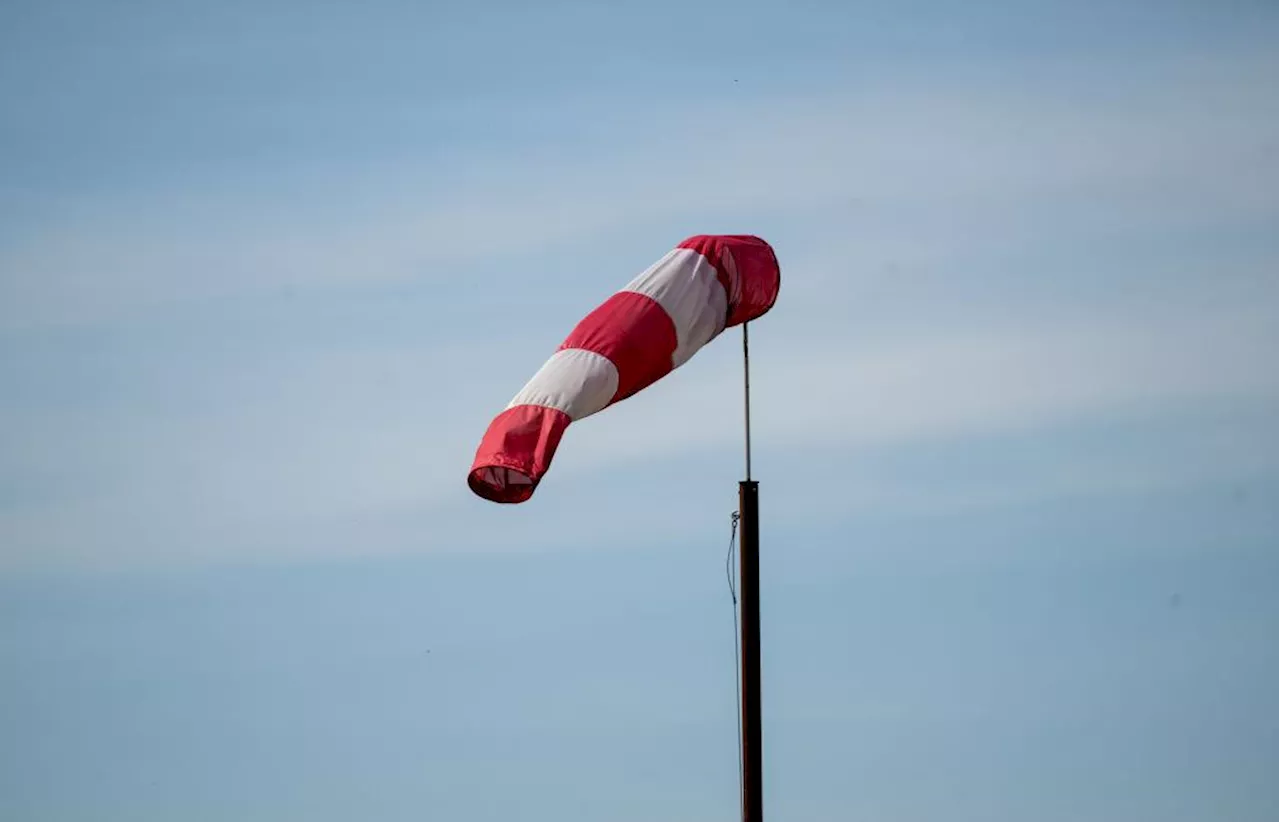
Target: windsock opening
x,y
500,484
516,452
748,270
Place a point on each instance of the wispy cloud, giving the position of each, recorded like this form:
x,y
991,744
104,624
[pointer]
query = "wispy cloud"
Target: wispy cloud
x,y
837,390
293,450
916,309
940,151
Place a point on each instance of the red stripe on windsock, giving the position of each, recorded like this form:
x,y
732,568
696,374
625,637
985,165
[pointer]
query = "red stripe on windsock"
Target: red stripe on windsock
x,y
522,440
755,288
635,333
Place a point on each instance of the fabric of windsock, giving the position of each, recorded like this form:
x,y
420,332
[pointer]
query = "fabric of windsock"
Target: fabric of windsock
x,y
640,334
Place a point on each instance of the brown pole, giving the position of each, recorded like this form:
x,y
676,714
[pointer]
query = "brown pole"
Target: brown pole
x,y
749,598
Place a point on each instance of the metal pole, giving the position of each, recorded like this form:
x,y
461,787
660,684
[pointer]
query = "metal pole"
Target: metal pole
x,y
749,575
746,395
749,597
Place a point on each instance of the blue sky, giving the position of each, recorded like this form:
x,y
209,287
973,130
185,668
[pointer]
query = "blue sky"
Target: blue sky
x,y
268,269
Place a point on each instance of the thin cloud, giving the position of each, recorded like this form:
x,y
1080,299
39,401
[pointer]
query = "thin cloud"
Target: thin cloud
x,y
938,150
887,223
313,443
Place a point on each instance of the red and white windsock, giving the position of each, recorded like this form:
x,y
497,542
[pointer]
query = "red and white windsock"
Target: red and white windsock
x,y
640,334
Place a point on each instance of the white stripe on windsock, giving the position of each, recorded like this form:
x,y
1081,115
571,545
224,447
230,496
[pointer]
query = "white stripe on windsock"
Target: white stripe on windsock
x,y
573,380
684,283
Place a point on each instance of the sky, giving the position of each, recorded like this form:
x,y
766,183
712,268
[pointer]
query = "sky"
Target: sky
x,y
267,270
